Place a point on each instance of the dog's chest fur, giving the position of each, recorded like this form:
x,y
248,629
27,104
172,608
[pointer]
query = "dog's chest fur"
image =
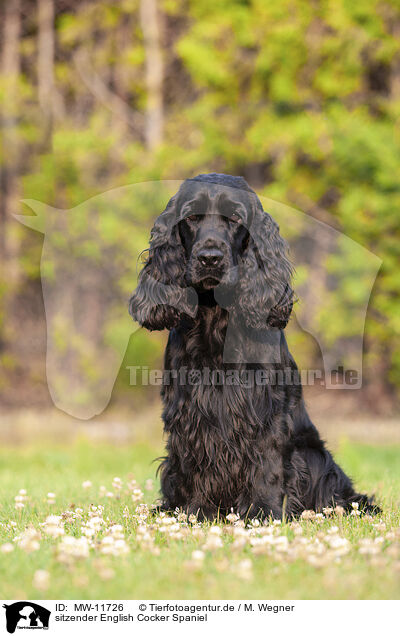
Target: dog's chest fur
x,y
224,425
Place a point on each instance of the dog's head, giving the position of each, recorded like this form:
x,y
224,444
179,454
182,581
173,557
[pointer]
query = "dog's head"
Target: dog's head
x,y
214,237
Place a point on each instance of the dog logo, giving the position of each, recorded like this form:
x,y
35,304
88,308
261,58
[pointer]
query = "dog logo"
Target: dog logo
x,y
26,615
90,258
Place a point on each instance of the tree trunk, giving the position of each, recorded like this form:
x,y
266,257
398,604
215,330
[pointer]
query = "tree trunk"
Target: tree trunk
x,y
46,64
10,67
149,18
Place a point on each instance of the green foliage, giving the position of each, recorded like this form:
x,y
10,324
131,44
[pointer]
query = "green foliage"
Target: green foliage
x,y
163,573
302,99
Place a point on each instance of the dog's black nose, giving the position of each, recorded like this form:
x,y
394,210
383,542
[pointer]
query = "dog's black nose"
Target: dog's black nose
x,y
210,257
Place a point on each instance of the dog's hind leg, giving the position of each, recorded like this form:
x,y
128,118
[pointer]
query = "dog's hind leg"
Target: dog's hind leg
x,y
318,482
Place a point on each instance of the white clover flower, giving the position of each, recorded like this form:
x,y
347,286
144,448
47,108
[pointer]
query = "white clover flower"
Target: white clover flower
x,y
106,574
145,539
193,565
87,484
29,540
380,526
67,516
41,580
149,485
53,526
317,561
340,545
20,500
197,532
95,523
142,512
244,569
116,528
71,548
239,531
213,542
114,547
333,530
170,527
215,530
197,560
262,545
120,547
308,514
371,546
142,529
198,555
162,519
117,531
317,547
297,529
238,544
137,494
281,543
6,548
107,540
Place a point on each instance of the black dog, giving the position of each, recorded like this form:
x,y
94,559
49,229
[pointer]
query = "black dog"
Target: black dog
x,y
218,277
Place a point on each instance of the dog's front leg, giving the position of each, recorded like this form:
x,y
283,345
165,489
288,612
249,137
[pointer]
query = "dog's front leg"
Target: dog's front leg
x,y
173,488
268,492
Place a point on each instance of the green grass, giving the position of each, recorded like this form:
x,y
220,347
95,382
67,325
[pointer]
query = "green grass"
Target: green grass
x,y
167,574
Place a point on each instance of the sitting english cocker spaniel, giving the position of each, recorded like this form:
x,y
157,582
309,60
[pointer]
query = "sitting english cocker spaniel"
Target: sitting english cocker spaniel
x,y
239,437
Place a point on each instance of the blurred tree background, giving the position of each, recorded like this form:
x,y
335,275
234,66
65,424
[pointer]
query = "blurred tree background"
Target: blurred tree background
x,y
301,98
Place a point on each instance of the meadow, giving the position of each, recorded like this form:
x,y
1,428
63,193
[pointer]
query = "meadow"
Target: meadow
x,y
302,100
76,522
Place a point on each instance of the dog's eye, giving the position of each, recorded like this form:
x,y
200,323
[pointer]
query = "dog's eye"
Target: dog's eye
x,y
192,217
235,218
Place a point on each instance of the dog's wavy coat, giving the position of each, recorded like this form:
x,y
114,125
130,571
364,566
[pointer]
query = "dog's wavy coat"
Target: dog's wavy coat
x,y
218,277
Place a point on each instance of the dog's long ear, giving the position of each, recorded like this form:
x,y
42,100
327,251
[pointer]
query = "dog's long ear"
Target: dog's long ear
x,y
266,296
162,296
